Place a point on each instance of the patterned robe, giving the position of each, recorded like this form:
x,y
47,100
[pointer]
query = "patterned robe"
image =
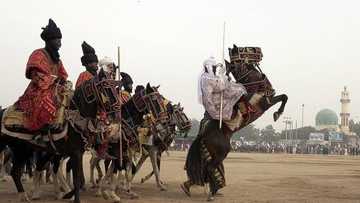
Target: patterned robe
x,y
211,87
38,101
84,76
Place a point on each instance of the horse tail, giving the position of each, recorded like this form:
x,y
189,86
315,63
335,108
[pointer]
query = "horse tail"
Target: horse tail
x,y
194,163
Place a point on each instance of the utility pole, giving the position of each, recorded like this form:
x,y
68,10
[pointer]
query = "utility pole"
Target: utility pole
x,y
302,115
287,123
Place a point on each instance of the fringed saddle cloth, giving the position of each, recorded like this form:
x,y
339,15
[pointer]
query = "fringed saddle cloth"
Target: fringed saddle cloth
x,y
13,125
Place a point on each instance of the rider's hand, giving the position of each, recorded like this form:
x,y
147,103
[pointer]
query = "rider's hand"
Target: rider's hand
x,y
221,69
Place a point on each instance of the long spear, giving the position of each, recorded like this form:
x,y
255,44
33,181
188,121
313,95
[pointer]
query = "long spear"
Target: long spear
x,y
119,92
222,93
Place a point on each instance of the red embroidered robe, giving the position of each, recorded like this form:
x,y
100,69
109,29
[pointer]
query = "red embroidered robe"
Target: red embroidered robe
x,y
38,101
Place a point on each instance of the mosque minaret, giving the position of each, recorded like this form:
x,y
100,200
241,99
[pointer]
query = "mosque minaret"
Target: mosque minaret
x,y
345,111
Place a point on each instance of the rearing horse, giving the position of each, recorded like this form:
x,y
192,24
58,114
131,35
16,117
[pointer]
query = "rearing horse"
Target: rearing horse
x,y
204,162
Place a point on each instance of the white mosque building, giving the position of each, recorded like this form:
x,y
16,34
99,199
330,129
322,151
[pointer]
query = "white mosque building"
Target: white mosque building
x,y
328,121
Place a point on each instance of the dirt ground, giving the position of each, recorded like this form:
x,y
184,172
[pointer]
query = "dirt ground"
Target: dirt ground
x,y
250,178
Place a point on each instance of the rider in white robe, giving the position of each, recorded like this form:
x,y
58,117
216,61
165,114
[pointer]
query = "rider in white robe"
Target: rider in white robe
x,y
213,82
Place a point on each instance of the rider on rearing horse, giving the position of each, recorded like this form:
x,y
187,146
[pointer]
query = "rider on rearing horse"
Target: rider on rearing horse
x,y
44,69
212,83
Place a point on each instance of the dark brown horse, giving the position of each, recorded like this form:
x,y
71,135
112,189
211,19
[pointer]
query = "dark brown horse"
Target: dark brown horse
x,y
204,163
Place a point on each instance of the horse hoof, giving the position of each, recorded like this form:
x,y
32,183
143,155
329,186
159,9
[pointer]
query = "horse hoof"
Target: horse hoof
x,y
276,116
98,194
133,195
185,190
114,197
23,197
59,196
105,195
69,195
210,198
162,188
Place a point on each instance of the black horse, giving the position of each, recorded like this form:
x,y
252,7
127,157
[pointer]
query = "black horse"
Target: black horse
x,y
97,94
204,162
176,124
133,111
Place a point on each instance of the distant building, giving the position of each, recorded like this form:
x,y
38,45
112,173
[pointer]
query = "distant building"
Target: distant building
x,y
327,123
326,119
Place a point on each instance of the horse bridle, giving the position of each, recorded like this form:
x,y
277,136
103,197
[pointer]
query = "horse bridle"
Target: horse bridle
x,y
269,91
104,92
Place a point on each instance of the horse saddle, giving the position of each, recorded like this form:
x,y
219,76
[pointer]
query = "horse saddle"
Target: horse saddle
x,y
13,125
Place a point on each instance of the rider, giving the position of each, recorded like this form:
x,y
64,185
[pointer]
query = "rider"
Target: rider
x,y
44,68
126,81
212,83
90,61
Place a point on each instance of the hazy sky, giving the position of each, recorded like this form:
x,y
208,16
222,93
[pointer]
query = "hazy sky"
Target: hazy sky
x,y
311,48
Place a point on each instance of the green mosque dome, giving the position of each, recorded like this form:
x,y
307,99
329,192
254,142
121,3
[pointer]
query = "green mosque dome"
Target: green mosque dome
x,y
326,117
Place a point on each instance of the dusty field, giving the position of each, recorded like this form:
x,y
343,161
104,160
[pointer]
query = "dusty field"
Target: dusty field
x,y
250,178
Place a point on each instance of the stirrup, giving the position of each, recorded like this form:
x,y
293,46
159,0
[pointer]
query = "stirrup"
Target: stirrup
x,y
38,141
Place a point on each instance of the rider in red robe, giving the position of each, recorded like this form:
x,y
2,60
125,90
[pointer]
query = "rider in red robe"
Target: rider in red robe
x,y
44,68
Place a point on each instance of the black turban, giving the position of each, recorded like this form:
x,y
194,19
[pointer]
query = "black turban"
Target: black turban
x,y
89,54
126,78
139,88
51,31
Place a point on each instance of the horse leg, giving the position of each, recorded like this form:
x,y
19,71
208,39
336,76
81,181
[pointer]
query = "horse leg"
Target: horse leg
x,y
158,160
159,165
92,171
140,163
101,189
41,162
16,172
76,166
59,180
99,171
128,177
153,158
113,182
2,167
217,146
68,171
82,176
147,177
107,164
60,175
274,100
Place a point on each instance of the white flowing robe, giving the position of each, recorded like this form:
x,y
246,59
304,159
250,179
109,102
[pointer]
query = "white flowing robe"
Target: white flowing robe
x,y
211,87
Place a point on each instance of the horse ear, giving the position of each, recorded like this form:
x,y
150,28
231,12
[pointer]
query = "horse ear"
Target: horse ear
x,y
101,74
148,88
157,87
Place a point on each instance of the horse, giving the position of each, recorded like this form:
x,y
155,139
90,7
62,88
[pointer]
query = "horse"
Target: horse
x,y
93,95
204,161
144,102
176,124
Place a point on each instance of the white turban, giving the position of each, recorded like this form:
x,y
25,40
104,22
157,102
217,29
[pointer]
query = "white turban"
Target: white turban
x,y
206,70
103,63
208,65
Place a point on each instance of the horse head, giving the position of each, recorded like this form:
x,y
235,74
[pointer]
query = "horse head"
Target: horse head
x,y
97,95
244,66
